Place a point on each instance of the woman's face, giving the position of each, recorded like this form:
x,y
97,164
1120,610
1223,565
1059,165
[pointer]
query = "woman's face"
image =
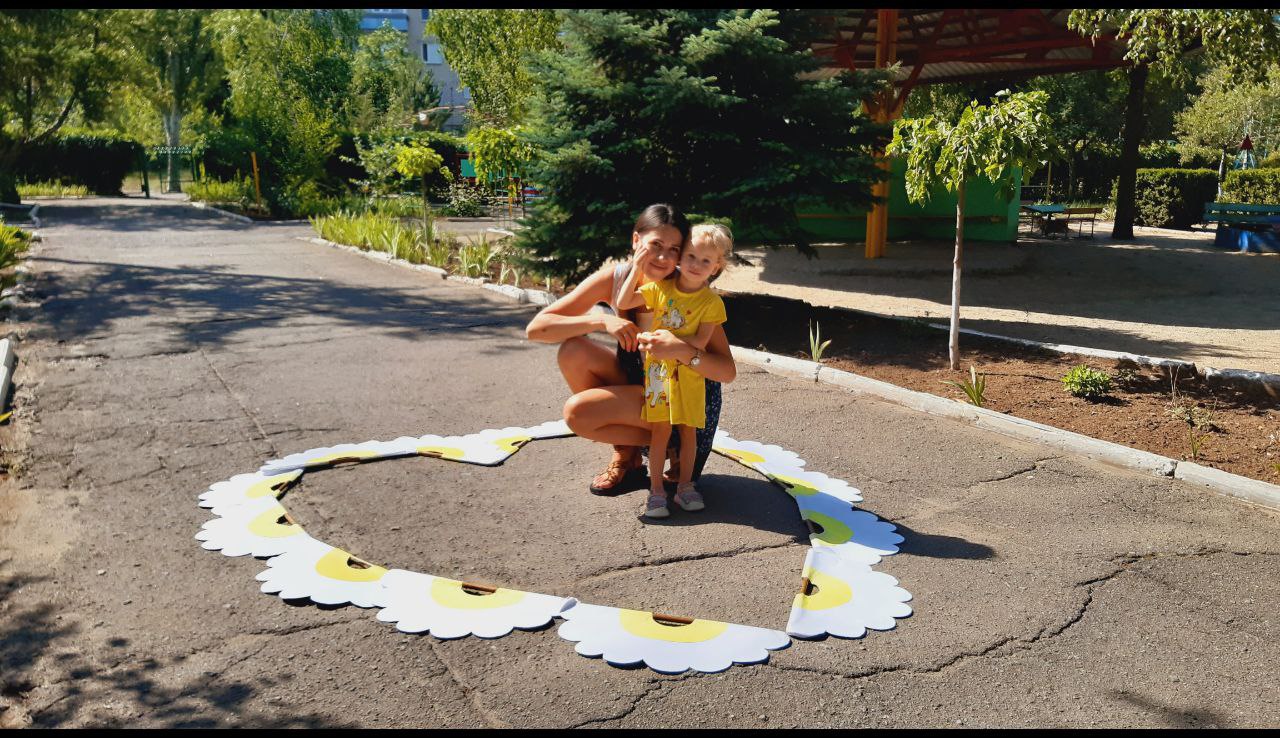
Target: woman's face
x,y
664,243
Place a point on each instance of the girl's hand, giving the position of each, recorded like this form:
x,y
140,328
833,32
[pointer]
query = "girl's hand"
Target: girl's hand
x,y
662,344
623,330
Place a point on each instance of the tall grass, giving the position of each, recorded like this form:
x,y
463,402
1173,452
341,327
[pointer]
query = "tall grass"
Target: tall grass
x,y
213,190
377,232
474,258
13,244
52,189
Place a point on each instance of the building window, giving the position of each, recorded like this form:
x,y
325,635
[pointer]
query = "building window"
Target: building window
x,y
431,54
426,14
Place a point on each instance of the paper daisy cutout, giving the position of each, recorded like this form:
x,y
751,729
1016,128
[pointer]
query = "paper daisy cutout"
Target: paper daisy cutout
x,y
844,599
856,535
324,574
665,644
258,527
244,488
842,596
447,608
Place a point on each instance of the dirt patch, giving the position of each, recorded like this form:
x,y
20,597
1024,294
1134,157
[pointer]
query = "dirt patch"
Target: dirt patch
x,y
1238,431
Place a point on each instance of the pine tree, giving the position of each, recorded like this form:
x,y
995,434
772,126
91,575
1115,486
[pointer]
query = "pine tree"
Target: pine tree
x,y
714,111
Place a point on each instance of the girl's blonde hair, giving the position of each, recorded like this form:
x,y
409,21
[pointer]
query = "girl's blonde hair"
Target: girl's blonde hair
x,y
719,237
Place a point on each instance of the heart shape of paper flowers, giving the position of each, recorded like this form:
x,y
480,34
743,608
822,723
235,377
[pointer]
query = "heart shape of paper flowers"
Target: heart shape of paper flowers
x,y
839,593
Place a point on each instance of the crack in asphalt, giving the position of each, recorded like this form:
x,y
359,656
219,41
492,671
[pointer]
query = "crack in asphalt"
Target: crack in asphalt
x,y
655,684
252,418
610,573
472,694
1022,642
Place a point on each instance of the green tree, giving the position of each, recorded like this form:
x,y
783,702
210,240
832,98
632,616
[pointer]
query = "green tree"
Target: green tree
x,y
290,77
489,49
987,141
714,111
1213,126
417,161
500,152
1245,41
388,84
177,67
53,63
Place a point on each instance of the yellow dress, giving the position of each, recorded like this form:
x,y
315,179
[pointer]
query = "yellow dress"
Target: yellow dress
x,y
672,391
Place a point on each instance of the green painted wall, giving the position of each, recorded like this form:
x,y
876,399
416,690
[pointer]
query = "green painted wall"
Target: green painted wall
x,y
939,221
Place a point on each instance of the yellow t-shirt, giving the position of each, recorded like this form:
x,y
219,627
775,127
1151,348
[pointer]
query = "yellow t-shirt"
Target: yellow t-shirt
x,y
674,392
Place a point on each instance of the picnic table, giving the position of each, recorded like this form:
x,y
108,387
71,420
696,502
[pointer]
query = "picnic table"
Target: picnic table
x,y
1054,219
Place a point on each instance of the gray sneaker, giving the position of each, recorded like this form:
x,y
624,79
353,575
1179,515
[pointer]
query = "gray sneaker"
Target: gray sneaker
x,y
656,507
688,499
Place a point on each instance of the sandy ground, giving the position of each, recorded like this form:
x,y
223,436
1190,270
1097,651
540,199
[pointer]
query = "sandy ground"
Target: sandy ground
x,y
1165,293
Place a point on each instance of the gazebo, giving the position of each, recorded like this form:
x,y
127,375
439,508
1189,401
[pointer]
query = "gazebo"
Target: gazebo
x,y
956,45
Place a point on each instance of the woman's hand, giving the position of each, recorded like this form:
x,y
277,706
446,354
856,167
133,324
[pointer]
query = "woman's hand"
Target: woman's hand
x,y
623,330
663,345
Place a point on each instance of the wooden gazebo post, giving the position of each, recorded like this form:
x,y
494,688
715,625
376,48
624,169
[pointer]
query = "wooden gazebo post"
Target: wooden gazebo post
x,y
883,108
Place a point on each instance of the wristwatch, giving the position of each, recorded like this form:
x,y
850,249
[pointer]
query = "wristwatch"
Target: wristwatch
x,y
697,358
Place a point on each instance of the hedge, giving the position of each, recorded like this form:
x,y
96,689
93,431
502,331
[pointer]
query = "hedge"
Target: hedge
x,y
1173,198
97,162
1252,186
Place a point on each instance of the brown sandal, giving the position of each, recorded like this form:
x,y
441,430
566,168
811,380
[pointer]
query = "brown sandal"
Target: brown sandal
x,y
609,481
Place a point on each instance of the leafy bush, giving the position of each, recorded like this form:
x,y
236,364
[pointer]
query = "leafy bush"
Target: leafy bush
x,y
52,189
1082,381
466,200
1173,198
1252,186
214,190
13,243
98,162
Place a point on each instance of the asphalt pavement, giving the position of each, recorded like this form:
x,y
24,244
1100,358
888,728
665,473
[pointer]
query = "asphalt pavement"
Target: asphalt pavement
x,y
173,348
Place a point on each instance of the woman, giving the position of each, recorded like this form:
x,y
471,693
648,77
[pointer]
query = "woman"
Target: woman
x,y
607,386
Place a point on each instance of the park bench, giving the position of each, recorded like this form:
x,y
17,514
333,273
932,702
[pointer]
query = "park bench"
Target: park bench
x,y
1245,227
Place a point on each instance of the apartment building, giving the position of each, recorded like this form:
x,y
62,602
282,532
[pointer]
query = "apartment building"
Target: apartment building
x,y
412,23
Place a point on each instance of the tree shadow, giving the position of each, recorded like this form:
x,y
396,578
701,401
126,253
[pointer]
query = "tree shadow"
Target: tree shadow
x,y
1173,717
1138,281
83,302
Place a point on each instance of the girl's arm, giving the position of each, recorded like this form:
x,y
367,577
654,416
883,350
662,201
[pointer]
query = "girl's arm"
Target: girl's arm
x,y
571,315
717,361
699,340
629,296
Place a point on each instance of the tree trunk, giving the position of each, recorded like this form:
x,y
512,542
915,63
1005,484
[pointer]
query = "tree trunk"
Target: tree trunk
x,y
1134,115
172,138
954,345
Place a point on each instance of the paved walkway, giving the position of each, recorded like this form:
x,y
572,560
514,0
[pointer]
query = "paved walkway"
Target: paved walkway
x,y
175,348
1166,293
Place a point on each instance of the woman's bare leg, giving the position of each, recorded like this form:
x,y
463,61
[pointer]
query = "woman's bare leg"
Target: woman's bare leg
x,y
586,364
609,415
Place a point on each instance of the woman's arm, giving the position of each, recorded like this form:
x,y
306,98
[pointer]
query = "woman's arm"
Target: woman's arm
x,y
717,361
571,315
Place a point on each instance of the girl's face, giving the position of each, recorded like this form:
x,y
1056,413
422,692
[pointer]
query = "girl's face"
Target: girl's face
x,y
700,262
664,243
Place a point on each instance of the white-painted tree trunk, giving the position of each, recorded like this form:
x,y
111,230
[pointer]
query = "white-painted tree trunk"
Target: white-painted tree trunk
x,y
954,346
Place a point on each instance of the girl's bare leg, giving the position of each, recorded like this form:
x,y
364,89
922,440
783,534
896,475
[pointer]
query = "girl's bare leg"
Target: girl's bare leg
x,y
688,452
661,435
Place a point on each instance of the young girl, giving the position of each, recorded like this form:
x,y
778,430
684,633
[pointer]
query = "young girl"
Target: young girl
x,y
674,392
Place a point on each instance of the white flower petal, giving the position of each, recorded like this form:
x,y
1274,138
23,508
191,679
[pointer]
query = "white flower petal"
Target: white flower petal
x,y
847,599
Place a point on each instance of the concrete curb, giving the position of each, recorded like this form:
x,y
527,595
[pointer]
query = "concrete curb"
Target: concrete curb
x,y
519,294
1169,366
8,359
220,211
1242,378
1114,454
